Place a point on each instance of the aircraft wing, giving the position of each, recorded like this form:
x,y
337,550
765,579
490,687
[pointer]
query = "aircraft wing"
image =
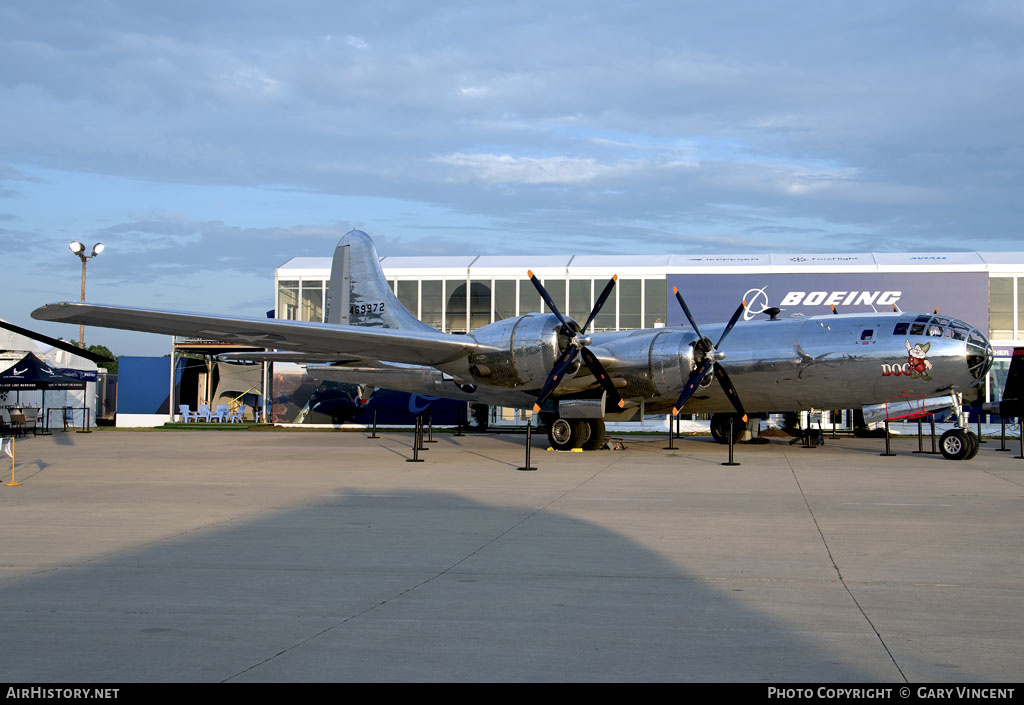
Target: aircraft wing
x,y
414,347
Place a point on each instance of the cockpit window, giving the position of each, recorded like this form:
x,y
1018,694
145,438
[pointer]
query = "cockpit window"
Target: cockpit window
x,y
935,331
917,329
940,321
923,319
901,328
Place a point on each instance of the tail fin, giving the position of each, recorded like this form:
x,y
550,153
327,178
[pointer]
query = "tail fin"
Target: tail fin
x,y
1012,401
358,293
1014,389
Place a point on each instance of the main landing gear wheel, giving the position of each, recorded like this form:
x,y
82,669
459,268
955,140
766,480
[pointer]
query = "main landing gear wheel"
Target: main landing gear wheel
x,y
595,434
566,434
975,445
720,427
956,444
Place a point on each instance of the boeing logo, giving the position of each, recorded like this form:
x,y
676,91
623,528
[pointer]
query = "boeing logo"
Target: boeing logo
x,y
757,299
840,298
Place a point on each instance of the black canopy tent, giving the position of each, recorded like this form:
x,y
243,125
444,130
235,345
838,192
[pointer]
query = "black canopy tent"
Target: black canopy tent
x,y
32,373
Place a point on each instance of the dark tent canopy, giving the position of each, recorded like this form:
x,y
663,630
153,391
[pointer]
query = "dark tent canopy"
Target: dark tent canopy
x,y
32,373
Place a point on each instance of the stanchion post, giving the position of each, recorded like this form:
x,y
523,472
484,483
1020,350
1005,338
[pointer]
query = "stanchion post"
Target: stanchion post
x,y
419,424
980,438
887,450
374,433
529,443
731,445
458,427
1002,433
931,423
416,443
1020,424
430,429
671,440
920,437
13,482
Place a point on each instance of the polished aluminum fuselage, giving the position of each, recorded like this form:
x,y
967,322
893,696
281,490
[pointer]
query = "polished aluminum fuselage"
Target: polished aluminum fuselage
x,y
790,364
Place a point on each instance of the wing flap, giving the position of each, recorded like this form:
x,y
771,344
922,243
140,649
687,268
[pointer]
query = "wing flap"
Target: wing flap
x,y
414,347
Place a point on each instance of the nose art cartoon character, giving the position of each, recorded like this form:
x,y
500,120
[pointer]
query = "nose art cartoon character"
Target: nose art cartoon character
x,y
919,364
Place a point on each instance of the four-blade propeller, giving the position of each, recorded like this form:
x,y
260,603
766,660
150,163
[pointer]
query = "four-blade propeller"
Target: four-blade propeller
x,y
708,357
576,346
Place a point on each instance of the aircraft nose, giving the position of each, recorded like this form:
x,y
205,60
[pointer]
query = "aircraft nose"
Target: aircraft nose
x,y
979,355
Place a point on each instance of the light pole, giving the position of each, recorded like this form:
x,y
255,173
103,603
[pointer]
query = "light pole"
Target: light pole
x,y
78,249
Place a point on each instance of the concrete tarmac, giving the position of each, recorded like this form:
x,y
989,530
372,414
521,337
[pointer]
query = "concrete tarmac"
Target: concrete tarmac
x,y
288,556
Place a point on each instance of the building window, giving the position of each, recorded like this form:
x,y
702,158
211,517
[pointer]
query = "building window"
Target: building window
x,y
655,303
556,290
455,307
1020,310
630,293
529,299
287,300
479,303
606,319
312,301
409,296
579,300
431,303
504,299
1000,308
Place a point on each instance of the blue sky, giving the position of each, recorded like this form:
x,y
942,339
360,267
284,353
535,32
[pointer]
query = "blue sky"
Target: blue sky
x,y
207,143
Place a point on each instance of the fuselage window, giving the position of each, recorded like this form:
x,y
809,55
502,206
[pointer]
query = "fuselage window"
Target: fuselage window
x,y
866,335
901,328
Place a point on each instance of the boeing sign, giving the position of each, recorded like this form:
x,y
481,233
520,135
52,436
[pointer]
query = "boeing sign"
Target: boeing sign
x,y
962,295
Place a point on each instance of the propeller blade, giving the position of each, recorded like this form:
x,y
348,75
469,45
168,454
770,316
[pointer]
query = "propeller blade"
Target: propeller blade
x,y
686,310
732,322
555,377
595,366
723,379
547,298
600,301
691,385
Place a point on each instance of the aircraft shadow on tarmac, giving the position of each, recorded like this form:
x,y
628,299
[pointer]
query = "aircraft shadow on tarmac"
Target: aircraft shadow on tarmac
x,y
418,586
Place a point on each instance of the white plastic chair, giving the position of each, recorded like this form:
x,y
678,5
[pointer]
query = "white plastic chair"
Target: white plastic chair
x,y
236,415
187,414
220,415
203,412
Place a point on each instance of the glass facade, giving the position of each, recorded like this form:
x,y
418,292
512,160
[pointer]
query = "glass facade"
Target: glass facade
x,y
288,300
504,299
312,301
431,302
479,303
409,296
655,303
630,303
1000,307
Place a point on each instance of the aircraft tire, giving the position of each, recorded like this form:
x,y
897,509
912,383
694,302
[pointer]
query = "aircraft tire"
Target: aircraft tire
x,y
597,435
954,444
975,445
566,434
720,427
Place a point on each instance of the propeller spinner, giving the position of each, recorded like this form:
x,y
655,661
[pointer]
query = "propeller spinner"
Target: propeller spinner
x,y
576,346
708,357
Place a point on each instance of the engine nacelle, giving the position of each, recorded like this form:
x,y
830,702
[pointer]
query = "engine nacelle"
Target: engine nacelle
x,y
660,361
529,346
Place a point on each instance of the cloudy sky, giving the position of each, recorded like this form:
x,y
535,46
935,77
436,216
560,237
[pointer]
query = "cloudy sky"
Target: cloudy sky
x,y
205,143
